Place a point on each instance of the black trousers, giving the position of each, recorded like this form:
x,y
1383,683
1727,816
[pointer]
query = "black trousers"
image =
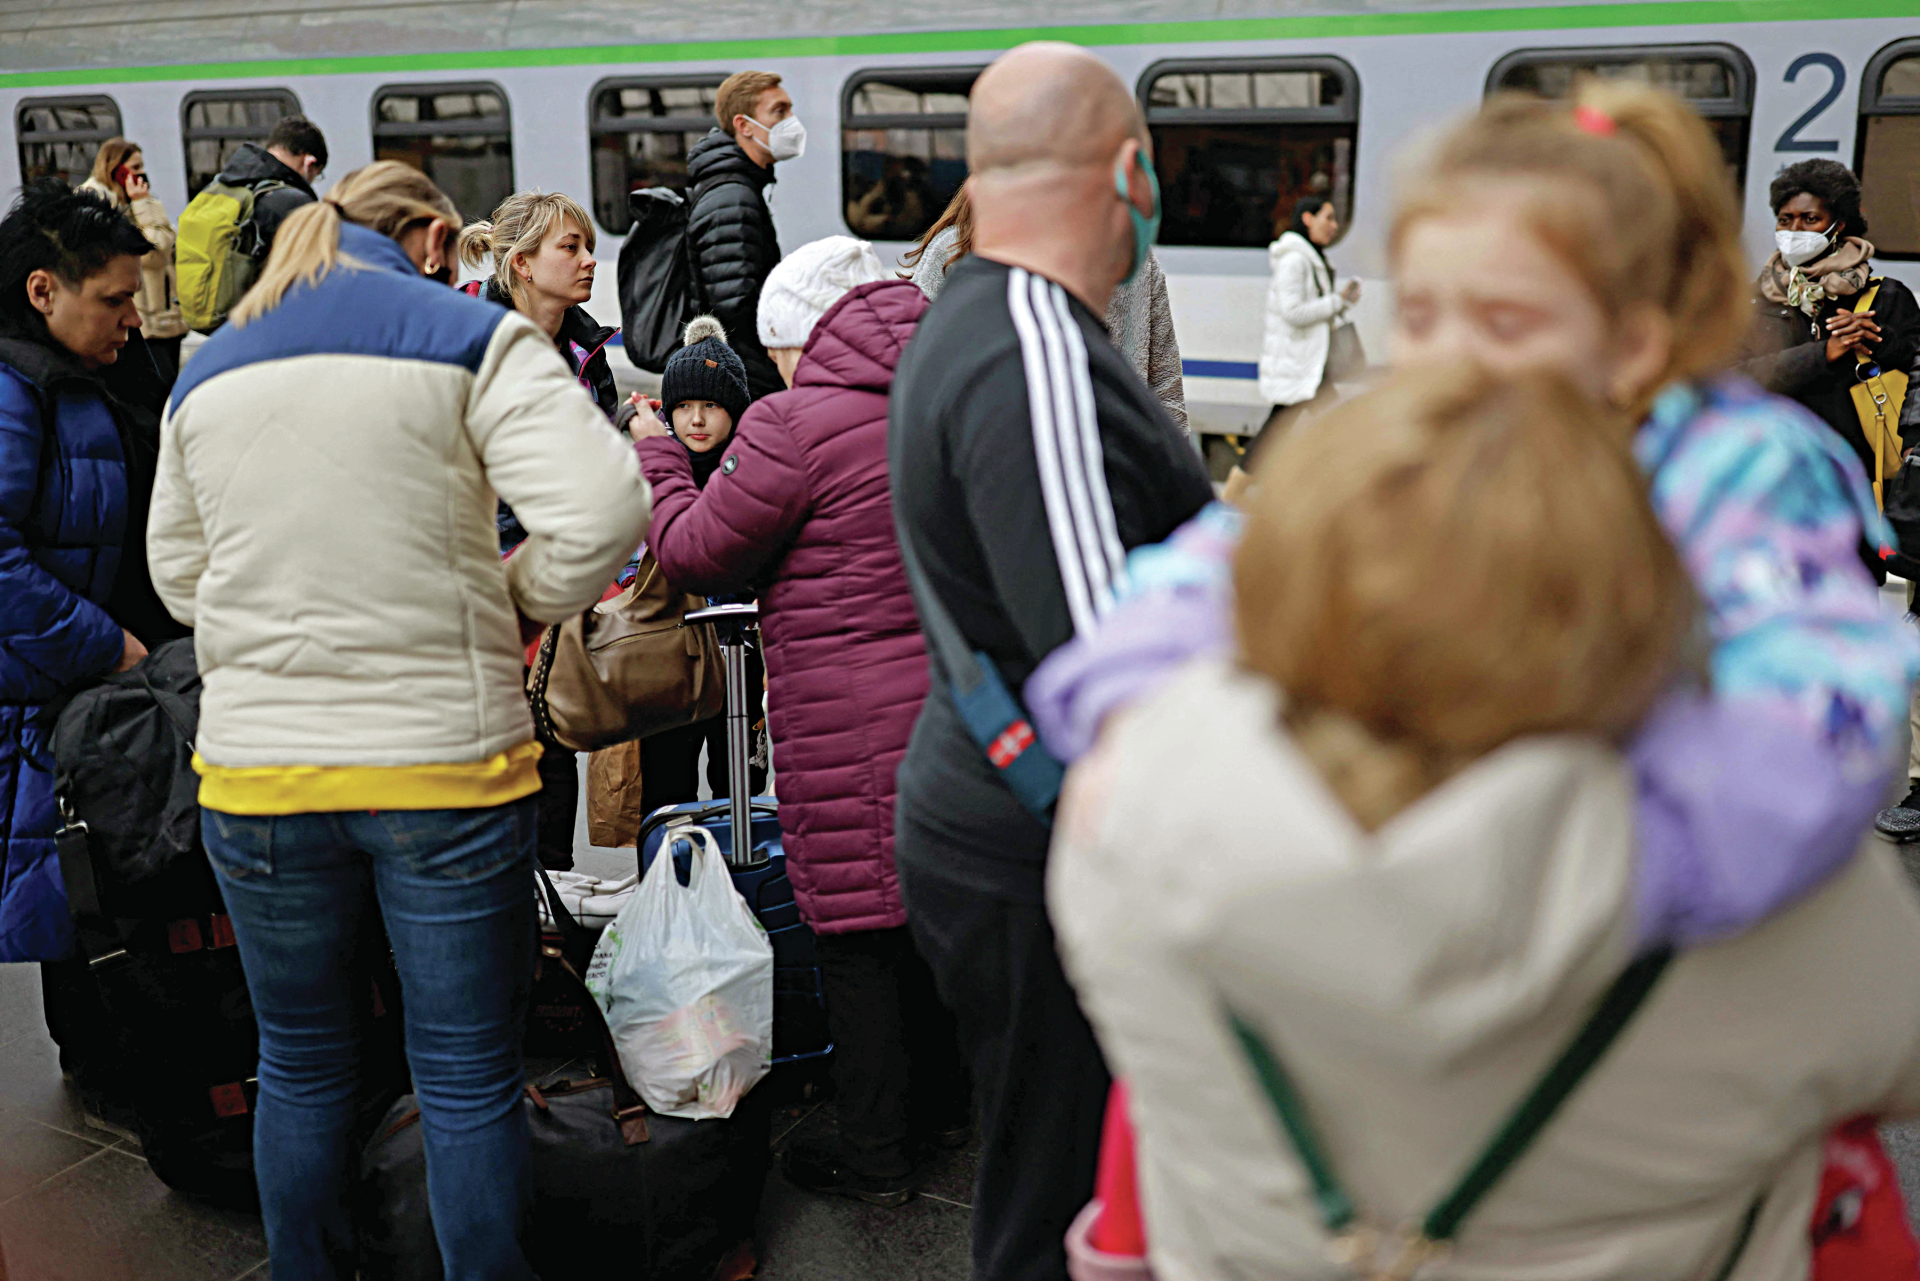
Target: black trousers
x,y
670,765
896,1058
1037,1070
558,808
670,760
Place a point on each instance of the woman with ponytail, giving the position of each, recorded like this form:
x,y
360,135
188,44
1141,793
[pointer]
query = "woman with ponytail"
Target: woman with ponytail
x,y
1598,238
324,519
541,246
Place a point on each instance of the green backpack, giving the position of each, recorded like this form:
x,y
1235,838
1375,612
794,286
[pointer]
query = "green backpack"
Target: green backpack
x,y
219,250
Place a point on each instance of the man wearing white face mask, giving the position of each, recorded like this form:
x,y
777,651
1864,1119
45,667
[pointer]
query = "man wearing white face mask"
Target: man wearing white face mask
x,y
729,227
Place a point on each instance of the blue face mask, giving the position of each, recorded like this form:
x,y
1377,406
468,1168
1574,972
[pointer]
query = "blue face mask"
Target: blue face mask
x,y
1145,226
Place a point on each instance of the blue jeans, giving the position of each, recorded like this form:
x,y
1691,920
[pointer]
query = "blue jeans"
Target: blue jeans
x,y
455,888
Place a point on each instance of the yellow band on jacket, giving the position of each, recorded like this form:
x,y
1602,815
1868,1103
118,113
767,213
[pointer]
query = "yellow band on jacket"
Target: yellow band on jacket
x,y
263,790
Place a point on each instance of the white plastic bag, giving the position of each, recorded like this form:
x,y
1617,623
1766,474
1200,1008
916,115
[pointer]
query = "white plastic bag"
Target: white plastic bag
x,y
685,976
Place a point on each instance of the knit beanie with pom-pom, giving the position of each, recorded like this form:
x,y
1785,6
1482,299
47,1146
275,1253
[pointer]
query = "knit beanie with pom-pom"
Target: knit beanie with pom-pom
x,y
806,284
705,369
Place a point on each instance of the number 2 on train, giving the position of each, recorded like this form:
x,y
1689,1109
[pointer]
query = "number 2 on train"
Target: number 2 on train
x,y
1791,139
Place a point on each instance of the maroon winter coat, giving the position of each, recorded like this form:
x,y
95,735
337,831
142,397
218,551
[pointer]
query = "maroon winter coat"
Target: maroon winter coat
x,y
803,514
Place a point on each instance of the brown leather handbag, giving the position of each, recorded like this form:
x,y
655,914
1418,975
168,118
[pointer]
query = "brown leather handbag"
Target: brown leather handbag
x,y
626,668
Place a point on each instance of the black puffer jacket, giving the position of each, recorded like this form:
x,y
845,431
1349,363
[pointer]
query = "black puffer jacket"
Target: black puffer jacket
x,y
582,341
730,233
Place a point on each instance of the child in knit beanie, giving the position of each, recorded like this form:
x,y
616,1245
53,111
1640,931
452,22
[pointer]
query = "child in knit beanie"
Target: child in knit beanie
x,y
703,393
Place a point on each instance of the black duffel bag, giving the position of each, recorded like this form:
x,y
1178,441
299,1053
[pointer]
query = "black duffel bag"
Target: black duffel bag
x,y
617,1190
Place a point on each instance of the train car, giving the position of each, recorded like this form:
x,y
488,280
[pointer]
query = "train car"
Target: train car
x,y
1250,106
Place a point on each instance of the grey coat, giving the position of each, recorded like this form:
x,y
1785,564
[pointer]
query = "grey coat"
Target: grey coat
x,y
1139,320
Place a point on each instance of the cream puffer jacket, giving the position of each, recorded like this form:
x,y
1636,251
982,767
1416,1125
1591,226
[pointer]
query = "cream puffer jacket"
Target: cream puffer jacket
x,y
1416,982
1301,309
324,518
158,301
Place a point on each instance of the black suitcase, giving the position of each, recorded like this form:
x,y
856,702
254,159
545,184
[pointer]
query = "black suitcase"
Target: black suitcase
x,y
618,1190
759,870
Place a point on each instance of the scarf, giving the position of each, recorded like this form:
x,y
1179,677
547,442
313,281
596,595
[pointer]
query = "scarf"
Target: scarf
x,y
704,465
1839,273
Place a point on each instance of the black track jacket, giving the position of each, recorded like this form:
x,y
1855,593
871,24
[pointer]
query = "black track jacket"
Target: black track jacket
x,y
1027,458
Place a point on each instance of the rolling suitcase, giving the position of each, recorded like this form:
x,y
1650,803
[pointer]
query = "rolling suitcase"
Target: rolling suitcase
x,y
758,865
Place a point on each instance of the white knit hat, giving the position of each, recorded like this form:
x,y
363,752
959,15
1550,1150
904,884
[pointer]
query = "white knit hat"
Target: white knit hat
x,y
808,282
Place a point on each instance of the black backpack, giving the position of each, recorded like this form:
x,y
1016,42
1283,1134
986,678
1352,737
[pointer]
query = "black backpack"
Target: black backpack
x,y
128,796
659,287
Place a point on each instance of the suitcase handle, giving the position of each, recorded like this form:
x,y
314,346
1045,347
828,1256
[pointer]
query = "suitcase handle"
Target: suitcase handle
x,y
731,623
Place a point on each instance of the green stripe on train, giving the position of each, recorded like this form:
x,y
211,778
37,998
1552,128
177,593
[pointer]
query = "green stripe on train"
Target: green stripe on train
x,y
1662,13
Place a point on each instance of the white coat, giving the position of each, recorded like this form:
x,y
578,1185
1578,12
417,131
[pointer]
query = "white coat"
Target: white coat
x,y
1416,981
1301,309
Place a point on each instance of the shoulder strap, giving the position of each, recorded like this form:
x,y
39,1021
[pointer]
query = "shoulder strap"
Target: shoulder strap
x,y
1875,403
705,185
1337,1210
1865,303
992,715
629,1110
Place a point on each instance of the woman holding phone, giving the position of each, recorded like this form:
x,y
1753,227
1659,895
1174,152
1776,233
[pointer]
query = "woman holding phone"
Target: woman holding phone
x,y
120,175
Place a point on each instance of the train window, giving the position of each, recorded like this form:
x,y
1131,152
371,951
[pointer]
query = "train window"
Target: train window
x,y
59,137
642,131
1715,79
1887,149
457,134
214,124
1237,142
903,148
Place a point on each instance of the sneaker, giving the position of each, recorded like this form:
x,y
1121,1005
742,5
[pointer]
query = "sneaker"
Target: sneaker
x,y
1901,822
821,1170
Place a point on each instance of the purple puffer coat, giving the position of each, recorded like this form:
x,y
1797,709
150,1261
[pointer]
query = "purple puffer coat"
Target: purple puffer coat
x,y
802,512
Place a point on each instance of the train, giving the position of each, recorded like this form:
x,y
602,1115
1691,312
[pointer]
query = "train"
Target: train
x,y
1250,104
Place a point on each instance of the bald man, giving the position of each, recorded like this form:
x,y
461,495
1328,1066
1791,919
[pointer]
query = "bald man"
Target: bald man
x,y
1027,458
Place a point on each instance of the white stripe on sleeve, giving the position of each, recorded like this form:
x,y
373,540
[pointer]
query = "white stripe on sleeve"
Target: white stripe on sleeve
x,y
1092,456
1066,447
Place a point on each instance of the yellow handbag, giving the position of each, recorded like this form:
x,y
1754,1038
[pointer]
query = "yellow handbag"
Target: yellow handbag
x,y
1877,397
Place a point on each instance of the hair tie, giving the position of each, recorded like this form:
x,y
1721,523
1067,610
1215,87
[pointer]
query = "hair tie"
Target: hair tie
x,y
1594,121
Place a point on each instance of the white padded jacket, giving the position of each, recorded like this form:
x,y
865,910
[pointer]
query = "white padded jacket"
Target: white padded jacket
x,y
324,518
1301,309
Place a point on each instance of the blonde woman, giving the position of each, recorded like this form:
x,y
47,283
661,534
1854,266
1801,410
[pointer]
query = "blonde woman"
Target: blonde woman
x,y
363,736
120,176
541,246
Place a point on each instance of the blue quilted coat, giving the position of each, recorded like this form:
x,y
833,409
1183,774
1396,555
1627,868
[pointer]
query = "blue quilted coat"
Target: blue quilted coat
x,y
63,512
